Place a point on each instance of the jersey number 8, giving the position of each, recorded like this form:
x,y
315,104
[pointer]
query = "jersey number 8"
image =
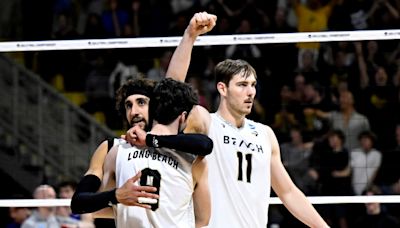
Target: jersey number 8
x,y
151,177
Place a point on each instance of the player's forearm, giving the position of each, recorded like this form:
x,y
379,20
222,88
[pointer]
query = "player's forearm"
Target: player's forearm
x,y
197,144
179,64
296,202
86,199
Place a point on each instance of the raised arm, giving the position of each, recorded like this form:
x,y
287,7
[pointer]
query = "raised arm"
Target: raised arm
x,y
362,66
293,199
199,24
316,112
392,10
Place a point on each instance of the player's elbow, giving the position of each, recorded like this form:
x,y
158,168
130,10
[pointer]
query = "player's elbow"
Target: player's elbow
x,y
202,222
207,147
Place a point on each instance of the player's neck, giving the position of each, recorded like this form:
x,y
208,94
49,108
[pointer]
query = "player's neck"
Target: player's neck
x,y
161,129
230,116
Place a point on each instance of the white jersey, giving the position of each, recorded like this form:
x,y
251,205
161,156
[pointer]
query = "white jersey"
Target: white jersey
x,y
239,174
168,170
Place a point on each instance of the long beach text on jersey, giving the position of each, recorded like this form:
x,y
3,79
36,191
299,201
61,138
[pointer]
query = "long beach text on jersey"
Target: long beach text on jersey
x,y
154,155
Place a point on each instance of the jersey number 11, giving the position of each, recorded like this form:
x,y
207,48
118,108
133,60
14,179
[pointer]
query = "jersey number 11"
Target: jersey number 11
x,y
240,166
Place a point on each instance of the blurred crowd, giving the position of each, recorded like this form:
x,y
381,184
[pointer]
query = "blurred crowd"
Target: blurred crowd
x,y
50,217
334,106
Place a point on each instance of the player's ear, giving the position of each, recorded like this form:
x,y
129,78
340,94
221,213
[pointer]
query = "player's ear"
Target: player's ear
x,y
184,117
221,87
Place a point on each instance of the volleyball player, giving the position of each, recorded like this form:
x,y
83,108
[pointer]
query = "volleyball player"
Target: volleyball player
x,y
245,161
85,199
177,175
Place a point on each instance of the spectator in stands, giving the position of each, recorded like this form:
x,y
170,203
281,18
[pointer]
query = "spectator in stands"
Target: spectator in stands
x,y
66,190
315,98
295,157
94,28
385,14
114,19
375,216
358,12
347,119
156,17
281,58
18,215
135,18
67,64
388,178
232,9
340,66
200,89
365,14
64,29
160,66
298,97
378,96
178,26
298,94
308,66
121,73
334,176
280,24
340,18
312,16
285,118
46,216
250,52
223,27
365,162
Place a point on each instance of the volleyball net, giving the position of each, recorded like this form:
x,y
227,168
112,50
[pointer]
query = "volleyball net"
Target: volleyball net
x,y
272,201
237,39
222,41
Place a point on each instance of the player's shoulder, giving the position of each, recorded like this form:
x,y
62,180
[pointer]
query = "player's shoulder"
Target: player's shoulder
x,y
255,125
119,141
198,120
259,127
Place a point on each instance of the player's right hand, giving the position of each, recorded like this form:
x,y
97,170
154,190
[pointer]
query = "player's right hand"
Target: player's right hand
x,y
129,193
201,23
136,136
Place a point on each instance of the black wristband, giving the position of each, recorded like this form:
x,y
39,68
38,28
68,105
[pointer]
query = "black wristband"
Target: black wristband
x,y
113,197
86,199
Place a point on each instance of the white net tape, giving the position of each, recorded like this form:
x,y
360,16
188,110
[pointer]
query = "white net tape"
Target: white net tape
x,y
201,41
273,200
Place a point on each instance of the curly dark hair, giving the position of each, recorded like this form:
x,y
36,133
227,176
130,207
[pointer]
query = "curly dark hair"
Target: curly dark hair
x,y
170,99
130,87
